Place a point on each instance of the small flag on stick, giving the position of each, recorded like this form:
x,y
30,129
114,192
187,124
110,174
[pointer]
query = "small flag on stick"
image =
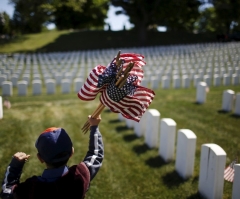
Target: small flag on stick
x,y
229,171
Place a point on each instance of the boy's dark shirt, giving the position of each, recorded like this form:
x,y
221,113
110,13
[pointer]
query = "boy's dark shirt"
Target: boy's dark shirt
x,y
73,184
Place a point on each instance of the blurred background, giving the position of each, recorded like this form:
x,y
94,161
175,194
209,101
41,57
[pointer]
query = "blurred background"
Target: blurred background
x,y
122,23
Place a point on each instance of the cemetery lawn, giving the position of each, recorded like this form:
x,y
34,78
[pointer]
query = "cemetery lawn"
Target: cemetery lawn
x,y
30,42
130,169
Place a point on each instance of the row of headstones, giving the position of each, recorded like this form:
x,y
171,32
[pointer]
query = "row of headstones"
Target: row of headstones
x,y
161,134
151,52
57,76
230,100
185,81
22,87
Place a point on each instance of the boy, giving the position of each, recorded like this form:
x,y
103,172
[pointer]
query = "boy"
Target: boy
x,y
58,180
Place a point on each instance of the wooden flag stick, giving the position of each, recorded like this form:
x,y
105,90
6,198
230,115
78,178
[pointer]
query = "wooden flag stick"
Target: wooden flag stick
x,y
123,81
86,123
95,114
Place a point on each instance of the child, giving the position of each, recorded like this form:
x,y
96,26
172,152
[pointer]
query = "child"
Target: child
x,y
58,180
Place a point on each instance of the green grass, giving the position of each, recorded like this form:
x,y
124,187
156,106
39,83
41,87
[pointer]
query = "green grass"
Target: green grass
x,y
30,42
52,41
130,169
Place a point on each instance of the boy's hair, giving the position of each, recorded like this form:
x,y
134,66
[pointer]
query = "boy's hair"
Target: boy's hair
x,y
54,146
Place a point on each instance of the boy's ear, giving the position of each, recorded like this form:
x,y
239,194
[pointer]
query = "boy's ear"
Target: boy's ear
x,y
40,159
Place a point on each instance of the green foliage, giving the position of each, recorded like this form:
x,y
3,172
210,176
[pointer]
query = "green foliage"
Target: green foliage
x,y
5,23
207,21
29,16
227,11
70,14
85,15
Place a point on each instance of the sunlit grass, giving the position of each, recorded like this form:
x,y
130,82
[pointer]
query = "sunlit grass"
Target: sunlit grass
x,y
130,169
31,42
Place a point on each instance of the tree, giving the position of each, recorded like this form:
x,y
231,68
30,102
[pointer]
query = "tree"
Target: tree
x,y
79,14
208,21
227,13
29,15
148,14
5,27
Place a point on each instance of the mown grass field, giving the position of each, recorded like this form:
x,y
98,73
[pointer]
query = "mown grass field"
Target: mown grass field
x,y
130,169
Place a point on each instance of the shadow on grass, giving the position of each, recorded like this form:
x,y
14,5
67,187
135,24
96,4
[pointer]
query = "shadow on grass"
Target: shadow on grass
x,y
223,111
198,103
121,128
235,116
140,149
172,179
114,121
155,162
130,138
195,196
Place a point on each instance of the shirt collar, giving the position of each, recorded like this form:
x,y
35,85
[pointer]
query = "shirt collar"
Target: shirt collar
x,y
54,173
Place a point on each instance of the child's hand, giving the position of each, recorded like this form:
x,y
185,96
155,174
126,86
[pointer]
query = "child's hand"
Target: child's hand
x,y
21,156
94,121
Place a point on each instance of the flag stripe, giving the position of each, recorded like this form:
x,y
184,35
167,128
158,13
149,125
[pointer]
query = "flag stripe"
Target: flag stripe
x,y
229,174
130,107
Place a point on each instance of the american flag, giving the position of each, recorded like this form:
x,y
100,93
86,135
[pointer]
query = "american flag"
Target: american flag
x,y
131,100
229,172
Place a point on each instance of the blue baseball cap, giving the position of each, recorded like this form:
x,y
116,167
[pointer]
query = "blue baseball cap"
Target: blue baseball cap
x,y
54,145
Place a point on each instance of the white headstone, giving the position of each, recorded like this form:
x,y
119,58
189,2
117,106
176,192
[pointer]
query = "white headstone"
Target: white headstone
x,y
26,77
65,86
154,82
235,79
236,182
36,87
185,81
144,82
167,139
58,78
2,79
14,80
212,165
227,100
22,87
120,117
207,79
237,105
129,123
176,82
165,82
51,86
1,108
7,88
186,147
152,128
36,76
140,127
201,92
196,79
217,80
226,80
78,82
